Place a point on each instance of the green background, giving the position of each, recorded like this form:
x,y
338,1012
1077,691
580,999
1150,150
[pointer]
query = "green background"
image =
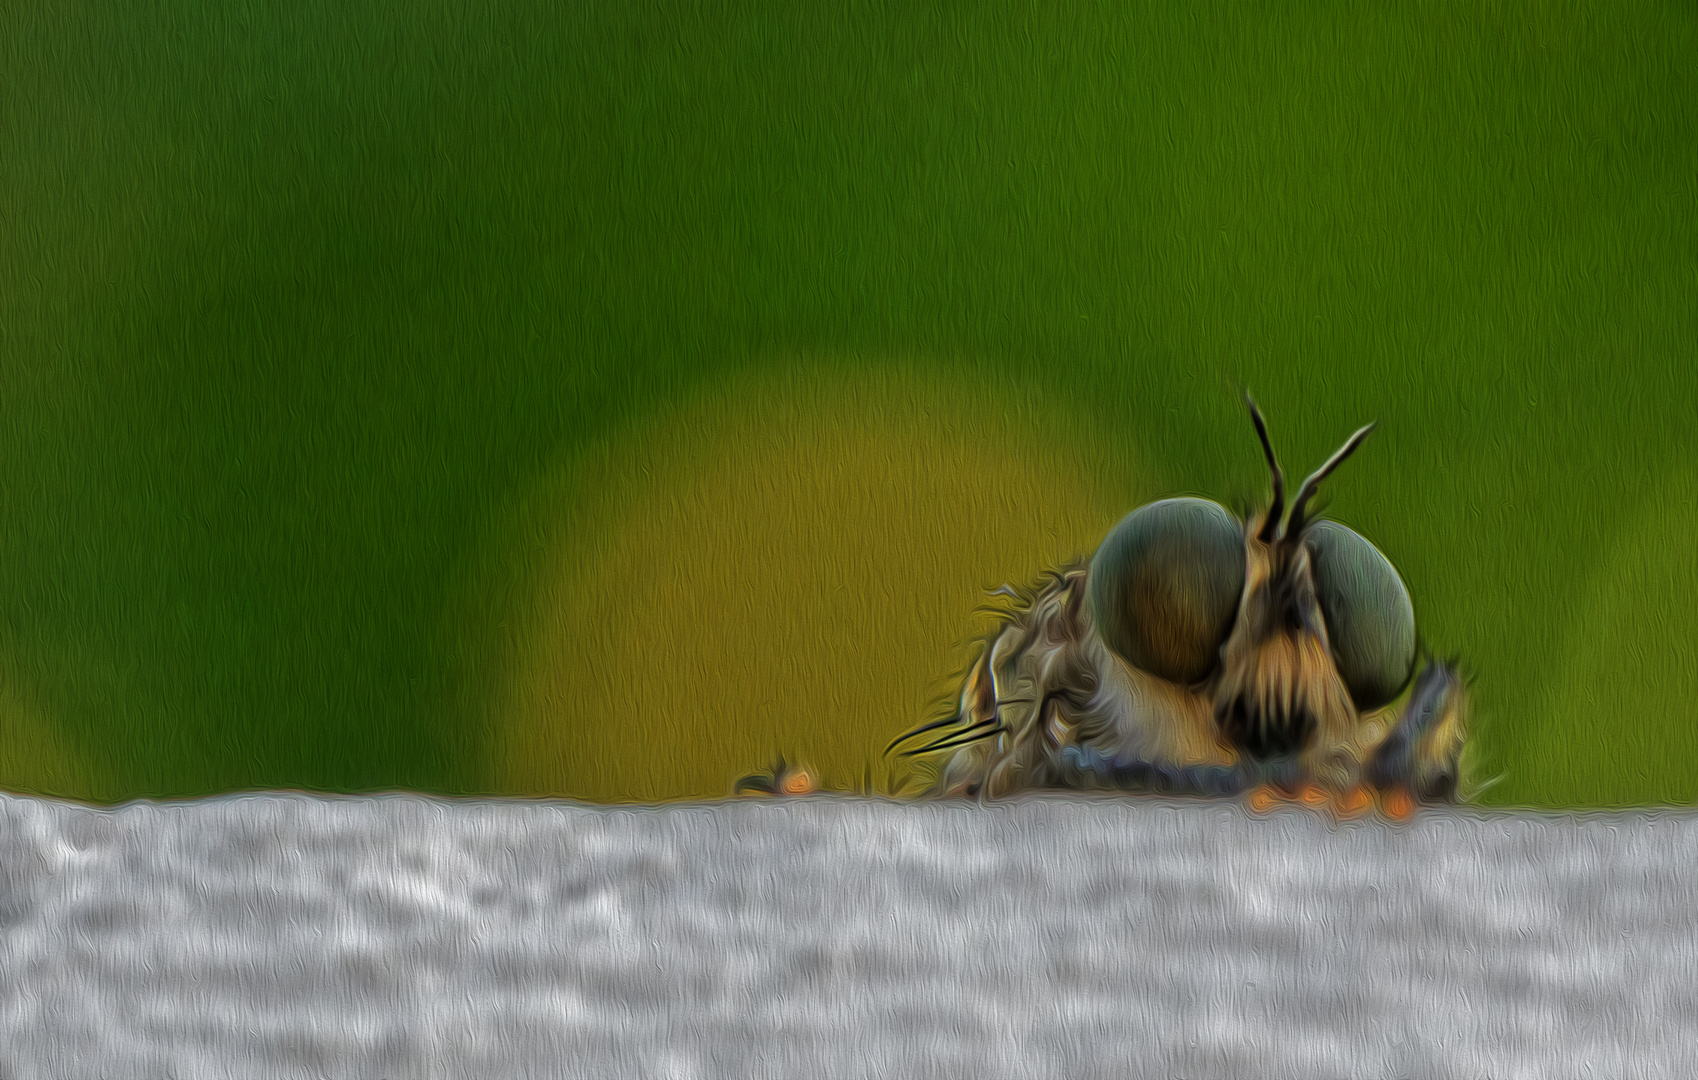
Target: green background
x,y
586,399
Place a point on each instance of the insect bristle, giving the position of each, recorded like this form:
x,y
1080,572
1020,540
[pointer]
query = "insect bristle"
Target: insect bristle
x,y
977,717
973,734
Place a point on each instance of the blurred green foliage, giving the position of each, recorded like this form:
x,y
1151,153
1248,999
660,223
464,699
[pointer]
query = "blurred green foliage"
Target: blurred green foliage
x,y
326,330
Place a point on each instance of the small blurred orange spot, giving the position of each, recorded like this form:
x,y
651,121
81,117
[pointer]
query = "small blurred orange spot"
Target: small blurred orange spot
x,y
800,782
1313,796
1354,803
1398,805
1263,799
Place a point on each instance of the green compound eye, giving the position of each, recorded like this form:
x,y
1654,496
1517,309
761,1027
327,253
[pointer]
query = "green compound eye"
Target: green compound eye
x,y
1370,621
1165,586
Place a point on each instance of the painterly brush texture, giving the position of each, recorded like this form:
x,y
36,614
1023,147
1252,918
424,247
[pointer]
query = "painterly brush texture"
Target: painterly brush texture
x,y
298,936
598,399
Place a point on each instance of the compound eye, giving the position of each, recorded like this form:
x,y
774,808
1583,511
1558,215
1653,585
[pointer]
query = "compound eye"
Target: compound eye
x,y
1370,620
1165,586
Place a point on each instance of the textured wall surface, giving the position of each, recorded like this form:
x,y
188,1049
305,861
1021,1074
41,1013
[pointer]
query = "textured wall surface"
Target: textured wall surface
x,y
295,936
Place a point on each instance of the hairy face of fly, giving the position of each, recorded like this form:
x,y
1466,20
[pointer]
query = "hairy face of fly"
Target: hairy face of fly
x,y
1277,687
1277,690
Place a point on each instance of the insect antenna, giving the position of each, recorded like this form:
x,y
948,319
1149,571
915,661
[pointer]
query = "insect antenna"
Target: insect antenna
x,y
1271,522
1300,505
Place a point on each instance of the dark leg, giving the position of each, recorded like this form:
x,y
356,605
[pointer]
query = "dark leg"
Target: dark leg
x,y
1422,752
1084,767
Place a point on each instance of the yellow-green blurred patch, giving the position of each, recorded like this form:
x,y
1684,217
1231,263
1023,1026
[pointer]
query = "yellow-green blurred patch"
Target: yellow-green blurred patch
x,y
1621,724
787,563
34,758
